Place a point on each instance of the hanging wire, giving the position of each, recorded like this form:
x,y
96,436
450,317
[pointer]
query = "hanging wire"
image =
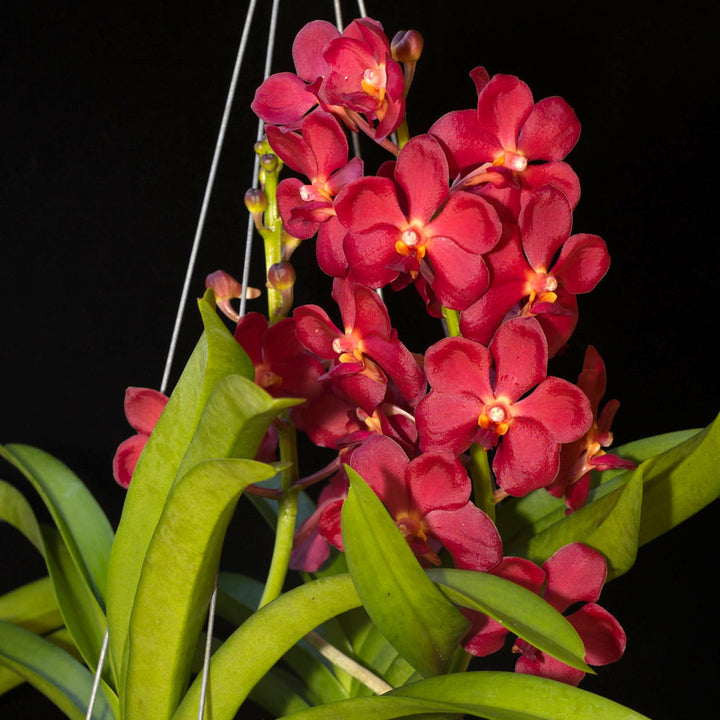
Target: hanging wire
x,y
208,192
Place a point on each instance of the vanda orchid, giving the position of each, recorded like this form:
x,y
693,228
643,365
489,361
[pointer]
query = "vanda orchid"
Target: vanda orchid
x,y
470,502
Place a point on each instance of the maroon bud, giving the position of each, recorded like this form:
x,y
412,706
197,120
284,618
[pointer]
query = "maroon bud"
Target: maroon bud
x,y
407,46
281,276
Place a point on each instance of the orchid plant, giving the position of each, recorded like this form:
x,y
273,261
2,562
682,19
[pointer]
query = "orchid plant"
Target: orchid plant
x,y
469,495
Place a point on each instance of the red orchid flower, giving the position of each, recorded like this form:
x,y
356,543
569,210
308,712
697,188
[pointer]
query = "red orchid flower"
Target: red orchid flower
x,y
143,408
578,459
320,152
365,352
363,78
526,277
284,368
501,141
428,497
412,224
575,573
481,395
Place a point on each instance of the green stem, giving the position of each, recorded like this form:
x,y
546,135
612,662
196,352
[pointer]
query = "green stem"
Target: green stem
x,y
452,320
403,133
272,237
287,514
481,475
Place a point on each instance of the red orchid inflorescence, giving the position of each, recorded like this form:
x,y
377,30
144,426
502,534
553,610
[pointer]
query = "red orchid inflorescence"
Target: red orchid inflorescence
x,y
476,214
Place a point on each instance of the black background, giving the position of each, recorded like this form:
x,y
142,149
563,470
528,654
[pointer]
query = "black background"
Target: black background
x,y
109,115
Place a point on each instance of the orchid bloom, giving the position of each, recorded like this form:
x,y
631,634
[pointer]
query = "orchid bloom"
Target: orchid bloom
x,y
428,498
413,225
365,352
507,134
284,368
527,278
320,153
481,395
143,408
575,573
363,78
579,458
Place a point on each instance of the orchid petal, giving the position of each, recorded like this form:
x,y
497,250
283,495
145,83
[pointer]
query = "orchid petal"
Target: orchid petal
x,y
143,407
550,131
520,351
447,420
560,406
308,46
527,457
557,174
369,203
422,172
601,633
461,277
545,224
469,535
282,99
455,363
126,457
437,480
576,573
503,107
583,262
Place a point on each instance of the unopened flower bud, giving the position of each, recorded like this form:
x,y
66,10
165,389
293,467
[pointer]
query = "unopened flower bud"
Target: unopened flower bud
x,y
255,200
281,276
269,161
261,147
407,46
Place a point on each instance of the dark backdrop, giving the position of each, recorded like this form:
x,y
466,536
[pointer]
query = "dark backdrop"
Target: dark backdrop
x,y
109,118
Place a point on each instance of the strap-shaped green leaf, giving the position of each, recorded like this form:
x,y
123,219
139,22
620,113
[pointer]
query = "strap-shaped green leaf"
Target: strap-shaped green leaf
x,y
17,511
32,606
518,609
216,356
490,695
248,654
412,613
176,582
72,592
85,529
53,672
81,613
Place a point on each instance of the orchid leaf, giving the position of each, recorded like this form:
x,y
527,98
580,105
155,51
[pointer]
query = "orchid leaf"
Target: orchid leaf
x,y
17,511
520,610
80,610
490,695
177,581
216,356
53,672
72,593
84,528
32,606
412,613
249,653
